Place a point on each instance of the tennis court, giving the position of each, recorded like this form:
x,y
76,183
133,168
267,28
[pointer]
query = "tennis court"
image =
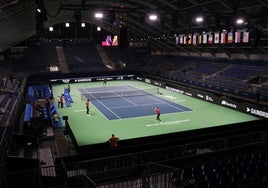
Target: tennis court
x,y
131,117
119,102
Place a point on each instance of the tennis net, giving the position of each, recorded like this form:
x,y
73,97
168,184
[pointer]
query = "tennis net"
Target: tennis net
x,y
118,94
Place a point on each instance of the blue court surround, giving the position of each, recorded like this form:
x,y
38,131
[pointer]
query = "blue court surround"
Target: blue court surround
x,y
130,106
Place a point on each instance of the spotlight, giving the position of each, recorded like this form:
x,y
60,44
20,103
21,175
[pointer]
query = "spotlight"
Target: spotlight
x,y
83,25
67,24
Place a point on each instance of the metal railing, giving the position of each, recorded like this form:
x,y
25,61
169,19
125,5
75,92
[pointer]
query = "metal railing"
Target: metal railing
x,y
133,169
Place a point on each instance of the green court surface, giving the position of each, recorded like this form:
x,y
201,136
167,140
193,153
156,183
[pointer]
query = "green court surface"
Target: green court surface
x,y
95,129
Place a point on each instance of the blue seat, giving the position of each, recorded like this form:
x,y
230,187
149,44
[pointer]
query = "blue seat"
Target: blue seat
x,y
28,112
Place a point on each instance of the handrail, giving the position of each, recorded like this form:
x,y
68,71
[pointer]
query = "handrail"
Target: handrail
x,y
89,179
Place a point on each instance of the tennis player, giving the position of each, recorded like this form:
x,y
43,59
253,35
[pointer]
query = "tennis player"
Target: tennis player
x,y
113,141
104,81
87,106
158,113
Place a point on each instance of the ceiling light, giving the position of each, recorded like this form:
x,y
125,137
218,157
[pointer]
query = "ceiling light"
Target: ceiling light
x,y
98,15
67,24
239,21
199,19
153,17
83,25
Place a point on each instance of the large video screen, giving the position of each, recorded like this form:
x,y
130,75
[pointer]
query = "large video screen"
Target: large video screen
x,y
110,40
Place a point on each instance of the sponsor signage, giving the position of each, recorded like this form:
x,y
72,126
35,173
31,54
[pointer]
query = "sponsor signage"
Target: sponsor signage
x,y
147,80
257,112
228,104
157,83
209,98
200,96
174,89
139,78
91,79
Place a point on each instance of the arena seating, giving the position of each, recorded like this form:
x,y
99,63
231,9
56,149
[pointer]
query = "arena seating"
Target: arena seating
x,y
39,92
209,163
81,56
243,170
264,93
243,72
119,57
231,77
40,56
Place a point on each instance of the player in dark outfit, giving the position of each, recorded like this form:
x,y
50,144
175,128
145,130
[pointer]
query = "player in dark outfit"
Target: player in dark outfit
x,y
158,113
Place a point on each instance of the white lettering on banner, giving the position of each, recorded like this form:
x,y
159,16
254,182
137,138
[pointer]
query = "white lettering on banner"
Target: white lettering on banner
x,y
225,103
66,81
139,78
175,90
189,94
257,112
200,96
147,81
84,80
156,83
208,98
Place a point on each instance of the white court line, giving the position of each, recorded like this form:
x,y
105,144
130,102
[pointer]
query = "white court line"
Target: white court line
x,y
103,105
162,102
82,110
141,105
79,110
179,100
166,103
125,98
168,123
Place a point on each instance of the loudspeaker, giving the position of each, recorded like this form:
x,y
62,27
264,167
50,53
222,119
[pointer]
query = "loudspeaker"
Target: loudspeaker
x,y
123,38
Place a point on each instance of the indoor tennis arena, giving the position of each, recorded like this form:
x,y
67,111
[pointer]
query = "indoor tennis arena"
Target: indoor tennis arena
x,y
134,94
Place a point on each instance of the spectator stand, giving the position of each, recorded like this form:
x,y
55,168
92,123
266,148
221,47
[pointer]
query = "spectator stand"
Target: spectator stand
x,y
39,92
38,117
